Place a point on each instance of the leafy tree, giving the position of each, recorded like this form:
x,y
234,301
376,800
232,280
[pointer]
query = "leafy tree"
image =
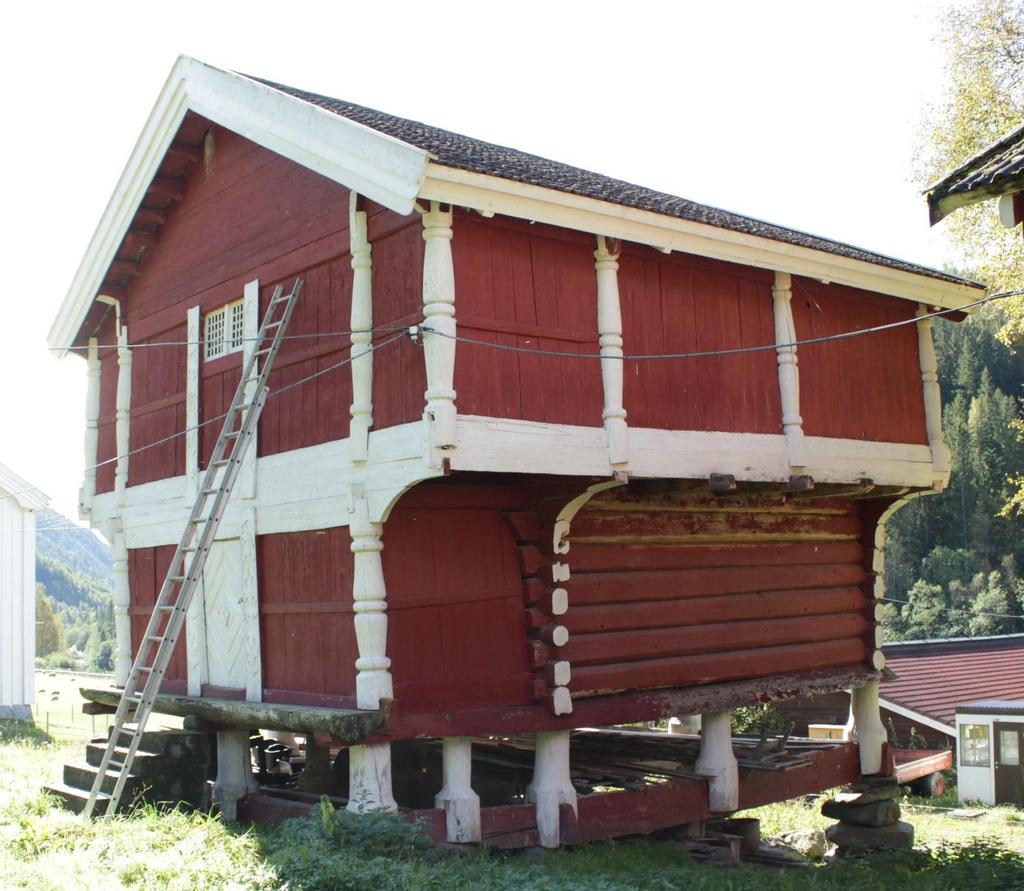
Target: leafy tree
x,y
49,638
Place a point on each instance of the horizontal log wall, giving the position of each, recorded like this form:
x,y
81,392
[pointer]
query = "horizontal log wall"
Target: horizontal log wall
x,y
146,570
682,590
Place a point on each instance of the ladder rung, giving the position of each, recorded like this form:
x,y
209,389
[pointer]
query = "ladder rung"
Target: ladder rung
x,y
276,324
281,298
167,607
155,637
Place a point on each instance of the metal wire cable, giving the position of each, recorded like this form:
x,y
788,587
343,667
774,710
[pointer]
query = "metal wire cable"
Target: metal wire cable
x,y
957,609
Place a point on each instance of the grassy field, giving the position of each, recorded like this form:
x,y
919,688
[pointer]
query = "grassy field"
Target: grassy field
x,y
42,847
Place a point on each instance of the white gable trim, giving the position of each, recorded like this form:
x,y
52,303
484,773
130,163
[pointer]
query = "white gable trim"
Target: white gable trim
x,y
911,715
384,169
27,495
493,194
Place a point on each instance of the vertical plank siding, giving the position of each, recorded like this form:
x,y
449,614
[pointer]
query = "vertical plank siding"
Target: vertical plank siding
x,y
307,635
456,633
158,407
146,570
865,387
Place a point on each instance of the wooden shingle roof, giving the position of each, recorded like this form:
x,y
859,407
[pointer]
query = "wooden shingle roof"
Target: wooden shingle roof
x,y
998,170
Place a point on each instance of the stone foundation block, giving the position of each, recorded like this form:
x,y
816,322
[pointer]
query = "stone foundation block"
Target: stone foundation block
x,y
862,838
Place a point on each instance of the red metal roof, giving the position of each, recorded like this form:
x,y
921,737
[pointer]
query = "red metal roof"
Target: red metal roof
x,y
933,677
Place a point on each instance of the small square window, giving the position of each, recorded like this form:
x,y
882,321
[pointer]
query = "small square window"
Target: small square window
x,y
974,746
224,330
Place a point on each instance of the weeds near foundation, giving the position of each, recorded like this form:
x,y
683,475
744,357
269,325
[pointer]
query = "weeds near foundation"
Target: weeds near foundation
x,y
44,848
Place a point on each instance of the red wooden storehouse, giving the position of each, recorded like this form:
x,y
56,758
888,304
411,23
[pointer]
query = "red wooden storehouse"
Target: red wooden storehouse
x,y
497,521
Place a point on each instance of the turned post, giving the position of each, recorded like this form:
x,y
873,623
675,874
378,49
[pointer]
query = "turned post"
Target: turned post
x,y
439,316
941,460
866,729
369,765
362,332
609,326
460,803
789,373
123,407
92,428
717,762
121,601
551,786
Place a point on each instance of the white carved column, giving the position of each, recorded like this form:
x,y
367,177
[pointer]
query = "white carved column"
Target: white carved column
x,y
362,332
369,765
460,803
609,326
92,429
439,316
717,762
192,405
123,413
245,487
789,374
551,786
866,729
121,602
941,460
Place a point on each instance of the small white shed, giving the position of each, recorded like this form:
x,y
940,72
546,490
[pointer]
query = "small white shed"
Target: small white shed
x,y
991,744
19,502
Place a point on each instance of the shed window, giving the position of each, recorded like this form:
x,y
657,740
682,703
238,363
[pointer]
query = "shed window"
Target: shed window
x,y
224,330
974,745
1009,747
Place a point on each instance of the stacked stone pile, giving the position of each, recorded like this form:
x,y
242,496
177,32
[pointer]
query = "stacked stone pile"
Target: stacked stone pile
x,y
869,817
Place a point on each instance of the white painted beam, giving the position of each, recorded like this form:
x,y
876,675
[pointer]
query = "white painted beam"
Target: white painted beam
x,y
941,458
123,408
122,600
92,432
717,762
866,729
461,805
192,390
551,786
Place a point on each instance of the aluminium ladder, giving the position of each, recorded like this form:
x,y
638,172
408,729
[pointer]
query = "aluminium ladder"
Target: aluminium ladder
x,y
186,569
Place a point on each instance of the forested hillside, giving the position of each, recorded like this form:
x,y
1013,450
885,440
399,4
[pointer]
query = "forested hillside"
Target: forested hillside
x,y
958,557
74,578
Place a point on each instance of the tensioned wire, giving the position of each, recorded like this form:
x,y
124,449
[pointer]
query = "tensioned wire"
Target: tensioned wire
x,y
415,330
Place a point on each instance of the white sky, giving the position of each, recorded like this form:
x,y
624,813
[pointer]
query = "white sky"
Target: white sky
x,y
799,113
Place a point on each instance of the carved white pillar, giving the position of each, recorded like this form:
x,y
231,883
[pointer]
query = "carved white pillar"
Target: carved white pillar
x,y
245,487
439,316
460,803
362,336
369,596
941,460
121,601
609,327
369,779
717,762
192,405
92,428
234,772
789,374
866,729
123,413
551,786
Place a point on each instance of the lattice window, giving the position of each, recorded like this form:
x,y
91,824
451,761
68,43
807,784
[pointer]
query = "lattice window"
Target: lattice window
x,y
224,330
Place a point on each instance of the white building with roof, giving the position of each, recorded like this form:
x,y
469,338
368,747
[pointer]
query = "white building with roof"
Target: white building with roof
x,y
19,503
990,767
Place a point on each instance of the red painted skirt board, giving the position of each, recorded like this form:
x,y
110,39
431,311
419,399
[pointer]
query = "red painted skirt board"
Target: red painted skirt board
x,y
866,387
307,633
146,570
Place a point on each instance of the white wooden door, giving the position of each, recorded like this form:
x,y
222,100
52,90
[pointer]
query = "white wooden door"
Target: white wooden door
x,y
227,632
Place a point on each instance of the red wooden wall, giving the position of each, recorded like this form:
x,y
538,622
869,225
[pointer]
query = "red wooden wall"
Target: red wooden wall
x,y
307,635
146,570
456,632
259,215
866,387
682,590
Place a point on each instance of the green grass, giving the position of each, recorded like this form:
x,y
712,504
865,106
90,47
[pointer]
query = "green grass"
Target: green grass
x,y
44,848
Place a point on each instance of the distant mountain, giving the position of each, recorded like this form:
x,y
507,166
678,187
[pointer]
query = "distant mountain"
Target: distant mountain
x,y
75,546
73,565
